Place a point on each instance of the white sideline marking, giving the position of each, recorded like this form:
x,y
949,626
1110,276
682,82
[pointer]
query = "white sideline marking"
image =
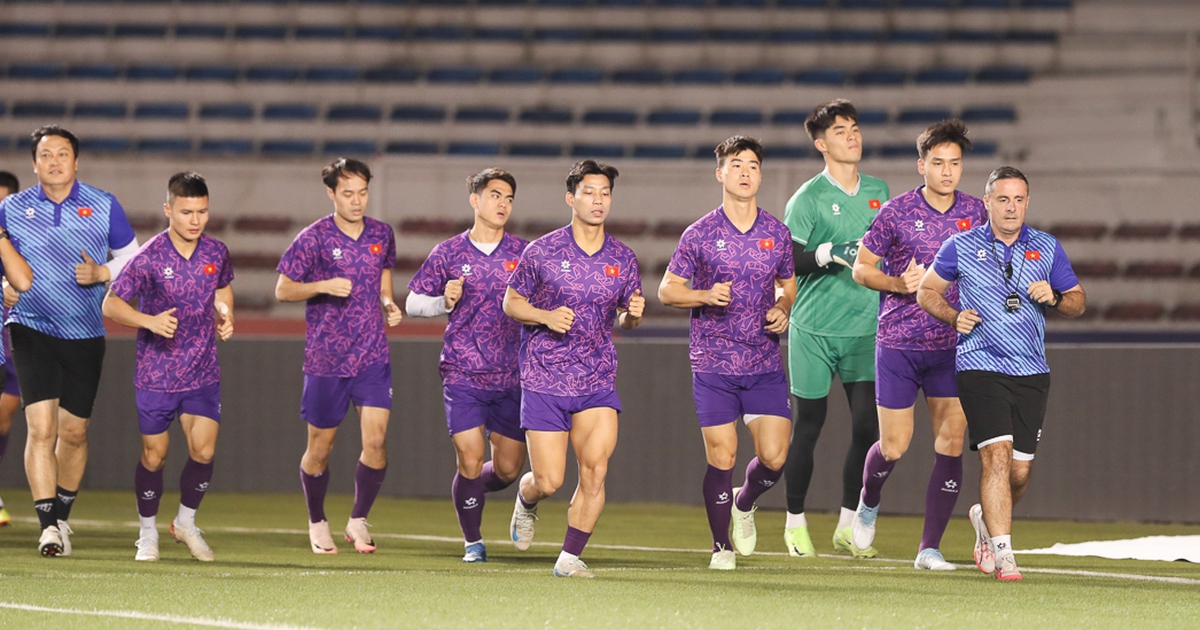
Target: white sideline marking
x,y
133,614
503,541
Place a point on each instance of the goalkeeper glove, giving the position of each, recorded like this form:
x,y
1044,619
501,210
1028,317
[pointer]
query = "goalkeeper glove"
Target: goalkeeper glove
x,y
842,253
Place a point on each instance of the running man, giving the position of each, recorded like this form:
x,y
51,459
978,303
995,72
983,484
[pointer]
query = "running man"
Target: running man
x,y
833,320
466,277
341,265
181,281
568,288
916,351
726,269
10,398
63,227
1009,276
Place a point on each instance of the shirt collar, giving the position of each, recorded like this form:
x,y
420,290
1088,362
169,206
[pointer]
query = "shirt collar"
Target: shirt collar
x,y
852,193
73,195
1023,238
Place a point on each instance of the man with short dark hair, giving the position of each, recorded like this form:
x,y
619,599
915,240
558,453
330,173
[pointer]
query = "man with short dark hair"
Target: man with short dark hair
x,y
915,351
341,266
833,319
466,277
568,289
64,226
726,270
1009,275
10,398
181,281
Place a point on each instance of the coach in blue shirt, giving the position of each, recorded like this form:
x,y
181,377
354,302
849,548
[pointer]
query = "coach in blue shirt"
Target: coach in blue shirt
x,y
1008,275
62,227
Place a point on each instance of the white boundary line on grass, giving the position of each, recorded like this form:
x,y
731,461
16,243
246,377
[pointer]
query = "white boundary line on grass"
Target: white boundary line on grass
x,y
142,616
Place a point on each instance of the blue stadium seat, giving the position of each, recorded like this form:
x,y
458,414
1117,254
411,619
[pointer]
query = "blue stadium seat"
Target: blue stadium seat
x,y
699,76
734,35
481,114
354,113
826,76
465,74
674,117
1030,37
98,144
140,30
990,114
440,32
288,147
872,116
616,35
853,36
320,31
923,115
675,35
510,76
101,72
35,71
659,151
789,151
760,76
331,74
227,146
984,148
943,75
621,3
39,109
610,117
164,145
534,150
510,34
971,36
1046,4
350,147
260,31
100,110
419,113
795,36
912,36
924,4
401,147
272,74
162,111
803,4
576,75
80,31
559,34
211,73
789,117
749,4
735,117
862,4
386,33
881,77
289,111
680,3
24,29
985,4
227,111
639,76
547,116
201,31
152,73
3,111
897,151
1003,74
473,148
391,75
597,151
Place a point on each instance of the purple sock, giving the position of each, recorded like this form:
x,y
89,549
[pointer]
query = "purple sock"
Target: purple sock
x,y
575,541
875,472
193,482
367,482
492,482
718,491
759,479
314,493
940,498
468,496
149,487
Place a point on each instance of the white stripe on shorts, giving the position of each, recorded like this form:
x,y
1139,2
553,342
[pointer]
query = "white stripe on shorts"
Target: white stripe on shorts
x,y
999,438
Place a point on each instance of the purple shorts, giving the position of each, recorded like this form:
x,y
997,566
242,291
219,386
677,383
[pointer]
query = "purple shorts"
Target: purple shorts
x,y
469,408
326,398
900,373
721,398
156,410
11,386
544,412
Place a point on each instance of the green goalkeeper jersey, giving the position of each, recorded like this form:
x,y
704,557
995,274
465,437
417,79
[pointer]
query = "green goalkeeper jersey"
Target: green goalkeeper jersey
x,y
829,302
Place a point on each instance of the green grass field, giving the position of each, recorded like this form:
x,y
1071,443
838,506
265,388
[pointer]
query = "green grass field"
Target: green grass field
x,y
650,562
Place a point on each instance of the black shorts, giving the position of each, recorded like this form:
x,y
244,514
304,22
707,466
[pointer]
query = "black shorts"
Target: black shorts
x,y
49,368
1001,408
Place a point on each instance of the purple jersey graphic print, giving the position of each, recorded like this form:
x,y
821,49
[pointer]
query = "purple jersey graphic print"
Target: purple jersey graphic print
x,y
553,272
480,349
344,334
732,340
907,227
161,279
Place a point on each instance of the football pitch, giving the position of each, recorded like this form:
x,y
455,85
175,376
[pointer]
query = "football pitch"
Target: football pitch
x,y
650,560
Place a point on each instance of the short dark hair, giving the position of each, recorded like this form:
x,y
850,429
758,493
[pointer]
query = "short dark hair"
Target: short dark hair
x,y
583,168
9,181
1004,172
478,182
823,116
735,145
186,184
952,131
343,168
52,130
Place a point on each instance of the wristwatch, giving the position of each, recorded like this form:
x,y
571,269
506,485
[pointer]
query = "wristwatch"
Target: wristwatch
x,y
4,234
1057,298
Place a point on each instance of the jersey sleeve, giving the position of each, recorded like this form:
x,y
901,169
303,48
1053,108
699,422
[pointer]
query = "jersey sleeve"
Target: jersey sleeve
x,y
225,274
389,261
120,233
431,278
524,278
786,267
131,281
879,236
945,263
297,261
684,260
3,214
633,281
800,218
1062,276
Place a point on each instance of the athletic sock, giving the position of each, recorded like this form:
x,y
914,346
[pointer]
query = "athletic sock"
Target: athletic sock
x,y
468,496
186,517
45,513
491,481
940,497
149,487
193,482
1002,545
759,479
367,482
525,505
147,527
845,518
795,520
575,541
718,492
63,500
875,473
314,493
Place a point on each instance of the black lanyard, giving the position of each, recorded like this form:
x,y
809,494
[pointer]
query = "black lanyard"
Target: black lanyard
x,y
1012,302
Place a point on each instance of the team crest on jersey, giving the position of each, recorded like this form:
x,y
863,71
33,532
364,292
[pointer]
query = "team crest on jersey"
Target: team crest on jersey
x,y
376,248
85,211
612,271
565,266
337,253
30,213
766,243
964,224
1033,254
981,255
510,265
837,210
874,203
721,244
919,225
210,269
466,269
168,273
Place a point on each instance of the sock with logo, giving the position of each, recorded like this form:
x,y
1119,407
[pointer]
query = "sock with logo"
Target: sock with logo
x,y
314,493
759,479
468,496
45,513
1002,546
193,483
875,473
491,481
63,500
149,487
718,493
367,482
940,497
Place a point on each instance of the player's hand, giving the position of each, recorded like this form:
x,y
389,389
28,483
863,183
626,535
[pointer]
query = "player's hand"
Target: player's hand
x,y
637,305
11,295
1041,292
911,278
453,294
720,294
224,321
89,271
559,320
967,320
845,253
337,287
777,320
164,324
394,314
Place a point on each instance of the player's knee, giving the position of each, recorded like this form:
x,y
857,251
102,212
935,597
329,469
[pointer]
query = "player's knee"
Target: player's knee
x,y
153,460
548,484
73,436
773,457
507,471
894,448
470,467
722,459
593,474
203,454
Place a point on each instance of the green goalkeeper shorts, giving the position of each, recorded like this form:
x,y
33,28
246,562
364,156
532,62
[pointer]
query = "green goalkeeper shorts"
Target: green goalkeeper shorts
x,y
814,359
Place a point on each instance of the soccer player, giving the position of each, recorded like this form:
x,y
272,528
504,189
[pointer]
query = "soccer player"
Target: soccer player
x,y
181,281
568,288
341,265
726,269
833,319
10,398
915,351
63,227
466,277
1009,276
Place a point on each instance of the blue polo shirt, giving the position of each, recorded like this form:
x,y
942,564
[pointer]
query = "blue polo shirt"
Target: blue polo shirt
x,y
1012,343
52,237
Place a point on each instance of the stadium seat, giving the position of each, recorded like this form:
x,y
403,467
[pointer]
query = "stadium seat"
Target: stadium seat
x,y
201,31
674,117
640,76
1135,312
675,35
161,111
659,152
912,36
699,76
288,147
354,113
320,31
538,227
481,114
804,4
272,73
164,145
615,35
985,4
853,36
227,111
562,34
99,72
260,31
1083,230
795,36
100,110
1003,74
454,75
881,77
391,75
942,75
263,223
380,32
546,116
146,222
872,117
226,146
246,260
984,148
789,117
923,116
152,72
473,148
1141,231
597,151
39,109
827,76
100,144
1095,268
437,226
534,150
1046,4
211,73
409,263
735,117
499,34
1189,231
509,76
289,111
401,147
1154,269
35,71
350,147
1024,36
439,32
24,29
990,114
610,117
789,151
761,76
419,113
670,230
897,151
576,75
1185,312
331,74
154,31
80,30
1194,272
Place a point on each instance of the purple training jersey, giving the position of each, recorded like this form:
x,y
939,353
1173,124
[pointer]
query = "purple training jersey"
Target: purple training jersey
x,y
344,334
732,340
907,227
552,272
161,279
480,351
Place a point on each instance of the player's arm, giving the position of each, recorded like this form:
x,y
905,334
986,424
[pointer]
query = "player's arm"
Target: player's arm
x,y
390,310
866,272
630,317
421,305
288,290
931,296
1072,303
16,269
778,315
224,307
118,310
1069,302
122,245
677,291
518,307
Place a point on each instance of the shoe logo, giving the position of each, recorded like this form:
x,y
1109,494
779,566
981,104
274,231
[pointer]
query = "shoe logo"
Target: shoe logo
x,y
951,486
470,503
44,508
202,487
149,494
723,498
881,474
